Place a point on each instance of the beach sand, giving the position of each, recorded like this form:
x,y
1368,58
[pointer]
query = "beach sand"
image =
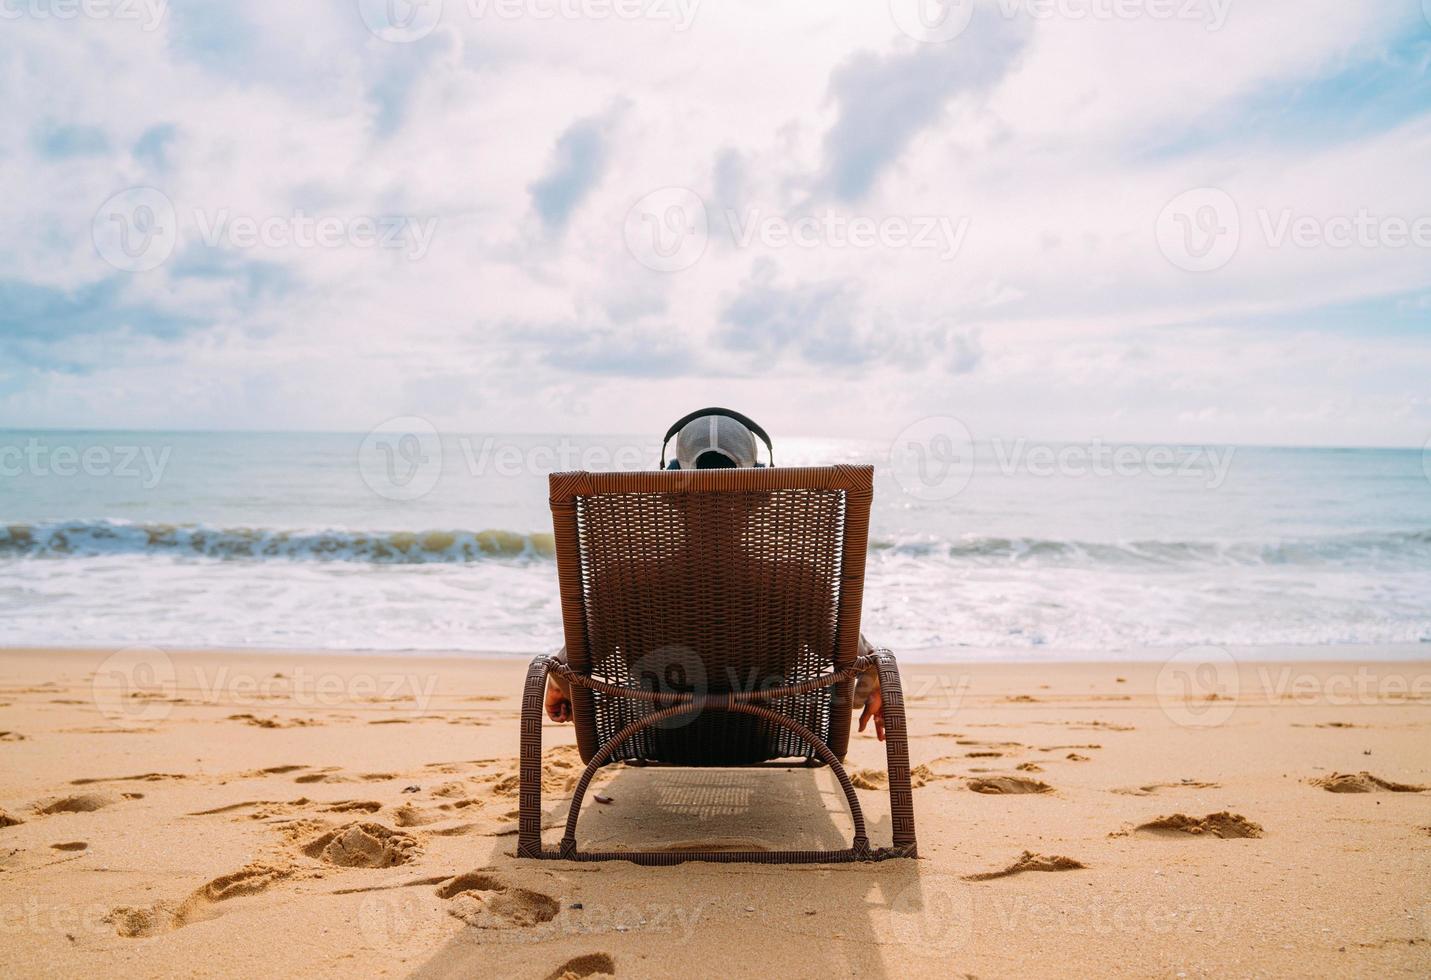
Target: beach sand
x,y
238,814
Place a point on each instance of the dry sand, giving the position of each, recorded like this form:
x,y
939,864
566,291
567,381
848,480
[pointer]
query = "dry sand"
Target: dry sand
x,y
330,815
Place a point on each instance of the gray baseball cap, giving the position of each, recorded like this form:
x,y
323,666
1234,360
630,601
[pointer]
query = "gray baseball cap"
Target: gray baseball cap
x,y
715,434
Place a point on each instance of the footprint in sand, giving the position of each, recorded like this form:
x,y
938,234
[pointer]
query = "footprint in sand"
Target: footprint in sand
x,y
869,779
1029,861
459,766
878,779
1363,782
275,722
1222,825
145,777
411,815
1089,726
363,845
11,737
81,803
485,901
560,769
590,965
995,785
353,806
8,820
1150,788
73,845
511,786
461,804
556,780
329,775
133,922
267,808
453,791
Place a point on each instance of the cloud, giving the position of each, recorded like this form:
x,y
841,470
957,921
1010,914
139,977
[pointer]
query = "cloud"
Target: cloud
x,y
824,326
602,350
1060,141
398,73
60,142
247,283
54,315
814,320
885,100
60,331
577,165
152,147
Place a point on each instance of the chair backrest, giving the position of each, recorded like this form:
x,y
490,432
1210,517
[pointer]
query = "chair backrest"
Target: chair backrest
x,y
711,582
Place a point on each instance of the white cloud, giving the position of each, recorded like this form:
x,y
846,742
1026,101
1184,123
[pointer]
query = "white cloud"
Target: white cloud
x,y
1058,316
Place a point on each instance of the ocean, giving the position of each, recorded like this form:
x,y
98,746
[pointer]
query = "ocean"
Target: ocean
x,y
406,540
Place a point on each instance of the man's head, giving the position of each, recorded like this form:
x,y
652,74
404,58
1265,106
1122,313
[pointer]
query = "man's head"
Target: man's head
x,y
715,442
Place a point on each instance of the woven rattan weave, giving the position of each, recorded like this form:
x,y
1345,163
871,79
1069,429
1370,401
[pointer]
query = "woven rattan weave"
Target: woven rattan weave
x,y
712,618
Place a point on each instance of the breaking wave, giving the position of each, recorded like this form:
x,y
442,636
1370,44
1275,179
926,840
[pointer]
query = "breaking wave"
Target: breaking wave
x,y
1390,547
97,538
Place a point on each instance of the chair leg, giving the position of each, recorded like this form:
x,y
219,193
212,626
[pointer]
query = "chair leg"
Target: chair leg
x,y
529,824
896,741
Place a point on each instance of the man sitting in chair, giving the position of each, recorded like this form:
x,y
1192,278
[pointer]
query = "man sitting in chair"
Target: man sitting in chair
x,y
721,442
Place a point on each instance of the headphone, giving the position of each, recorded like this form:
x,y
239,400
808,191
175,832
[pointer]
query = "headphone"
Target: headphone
x,y
744,420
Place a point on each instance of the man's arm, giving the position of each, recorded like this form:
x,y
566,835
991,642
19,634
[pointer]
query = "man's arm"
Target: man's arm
x,y
558,701
868,695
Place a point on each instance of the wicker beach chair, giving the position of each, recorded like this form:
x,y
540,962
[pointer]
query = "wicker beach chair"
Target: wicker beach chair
x,y
712,618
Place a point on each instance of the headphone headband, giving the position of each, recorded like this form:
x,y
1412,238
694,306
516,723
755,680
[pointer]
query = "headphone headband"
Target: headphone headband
x,y
744,420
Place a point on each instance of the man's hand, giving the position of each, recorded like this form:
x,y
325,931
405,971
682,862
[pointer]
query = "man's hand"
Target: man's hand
x,y
874,708
558,701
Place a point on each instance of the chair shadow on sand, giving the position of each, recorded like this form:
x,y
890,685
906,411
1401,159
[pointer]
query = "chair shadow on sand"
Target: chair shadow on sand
x,y
651,917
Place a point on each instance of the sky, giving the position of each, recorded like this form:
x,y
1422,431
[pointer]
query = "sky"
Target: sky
x,y
1146,220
